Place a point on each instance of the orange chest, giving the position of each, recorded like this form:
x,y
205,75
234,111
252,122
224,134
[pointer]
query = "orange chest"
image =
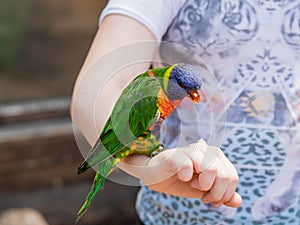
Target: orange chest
x,y
164,105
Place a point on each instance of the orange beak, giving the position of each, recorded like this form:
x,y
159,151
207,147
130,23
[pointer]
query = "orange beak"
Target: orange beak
x,y
195,96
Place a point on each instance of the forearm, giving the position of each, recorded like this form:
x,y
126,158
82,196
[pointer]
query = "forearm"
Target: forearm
x,y
115,31
90,111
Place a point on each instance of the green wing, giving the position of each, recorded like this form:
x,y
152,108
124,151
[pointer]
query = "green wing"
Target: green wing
x,y
128,126
133,114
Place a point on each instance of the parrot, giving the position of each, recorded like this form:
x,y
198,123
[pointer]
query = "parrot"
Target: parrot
x,y
134,124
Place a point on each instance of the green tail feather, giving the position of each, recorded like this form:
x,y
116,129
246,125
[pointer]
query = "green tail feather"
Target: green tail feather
x,y
97,185
104,170
83,167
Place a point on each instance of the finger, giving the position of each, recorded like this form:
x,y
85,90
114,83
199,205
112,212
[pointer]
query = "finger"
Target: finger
x,y
232,184
179,163
205,179
196,157
218,189
235,201
210,157
227,163
233,179
229,193
198,146
186,172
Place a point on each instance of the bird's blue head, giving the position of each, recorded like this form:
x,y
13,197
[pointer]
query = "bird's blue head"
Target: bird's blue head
x,y
185,80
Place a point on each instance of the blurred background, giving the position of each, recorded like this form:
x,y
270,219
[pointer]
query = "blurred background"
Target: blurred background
x,y
42,46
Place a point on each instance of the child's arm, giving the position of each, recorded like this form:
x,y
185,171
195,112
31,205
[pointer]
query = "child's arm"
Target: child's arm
x,y
115,31
217,183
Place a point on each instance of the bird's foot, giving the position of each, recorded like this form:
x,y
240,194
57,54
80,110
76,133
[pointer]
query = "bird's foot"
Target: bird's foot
x,y
155,152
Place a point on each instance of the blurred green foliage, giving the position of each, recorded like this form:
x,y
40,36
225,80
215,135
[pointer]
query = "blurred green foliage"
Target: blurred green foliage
x,y
13,21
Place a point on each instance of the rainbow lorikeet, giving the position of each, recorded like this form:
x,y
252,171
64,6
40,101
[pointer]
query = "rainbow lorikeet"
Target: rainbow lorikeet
x,y
134,124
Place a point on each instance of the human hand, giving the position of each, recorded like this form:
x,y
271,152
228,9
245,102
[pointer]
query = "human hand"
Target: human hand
x,y
182,172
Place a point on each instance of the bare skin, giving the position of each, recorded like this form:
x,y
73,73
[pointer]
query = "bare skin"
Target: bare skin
x,y
176,171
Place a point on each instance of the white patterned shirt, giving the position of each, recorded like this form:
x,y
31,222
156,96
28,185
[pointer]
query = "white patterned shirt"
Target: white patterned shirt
x,y
253,48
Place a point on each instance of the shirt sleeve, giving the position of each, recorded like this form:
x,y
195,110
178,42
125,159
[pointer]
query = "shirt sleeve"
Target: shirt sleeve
x,y
156,15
